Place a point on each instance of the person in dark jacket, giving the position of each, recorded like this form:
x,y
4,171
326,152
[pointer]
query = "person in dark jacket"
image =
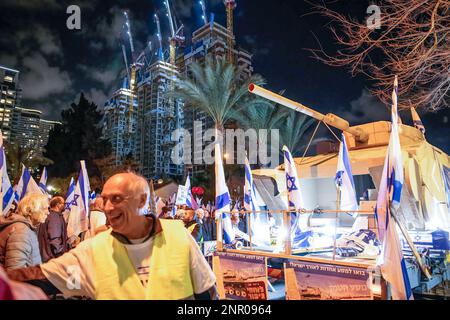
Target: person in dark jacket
x,y
52,233
187,215
19,247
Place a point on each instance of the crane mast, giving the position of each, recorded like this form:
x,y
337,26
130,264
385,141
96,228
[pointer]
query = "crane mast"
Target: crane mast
x,y
230,5
158,35
202,4
131,72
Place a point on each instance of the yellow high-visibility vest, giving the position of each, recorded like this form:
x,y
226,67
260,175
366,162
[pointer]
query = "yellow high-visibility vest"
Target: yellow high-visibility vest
x,y
169,273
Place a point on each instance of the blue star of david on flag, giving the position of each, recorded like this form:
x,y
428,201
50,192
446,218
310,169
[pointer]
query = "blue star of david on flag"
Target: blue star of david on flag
x,y
73,202
290,183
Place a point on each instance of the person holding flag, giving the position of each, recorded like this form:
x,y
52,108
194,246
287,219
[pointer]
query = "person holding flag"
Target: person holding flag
x,y
391,260
140,258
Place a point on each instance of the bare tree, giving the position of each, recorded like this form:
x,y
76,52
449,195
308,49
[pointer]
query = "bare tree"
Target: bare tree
x,y
411,43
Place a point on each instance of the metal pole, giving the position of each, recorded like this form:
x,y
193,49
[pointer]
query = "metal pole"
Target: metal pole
x,y
410,243
338,205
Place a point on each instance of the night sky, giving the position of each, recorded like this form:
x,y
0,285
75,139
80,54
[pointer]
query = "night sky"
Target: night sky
x,y
56,64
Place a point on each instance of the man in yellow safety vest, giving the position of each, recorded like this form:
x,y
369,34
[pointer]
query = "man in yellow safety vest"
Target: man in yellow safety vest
x,y
139,257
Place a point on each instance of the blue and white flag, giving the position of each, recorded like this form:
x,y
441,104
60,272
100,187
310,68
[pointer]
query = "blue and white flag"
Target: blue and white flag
x,y
344,181
43,180
26,184
391,259
79,210
189,192
223,199
253,202
416,120
173,213
292,182
70,195
92,197
7,192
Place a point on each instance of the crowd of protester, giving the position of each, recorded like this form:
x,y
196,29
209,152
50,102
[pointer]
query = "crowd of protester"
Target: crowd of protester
x,y
35,233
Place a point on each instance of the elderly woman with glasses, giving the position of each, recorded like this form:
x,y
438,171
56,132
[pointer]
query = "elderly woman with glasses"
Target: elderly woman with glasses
x,y
19,245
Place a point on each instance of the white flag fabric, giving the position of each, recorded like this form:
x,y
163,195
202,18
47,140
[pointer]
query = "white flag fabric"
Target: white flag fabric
x,y
181,195
292,182
79,210
26,184
7,192
188,192
391,260
417,121
344,180
43,180
259,229
223,199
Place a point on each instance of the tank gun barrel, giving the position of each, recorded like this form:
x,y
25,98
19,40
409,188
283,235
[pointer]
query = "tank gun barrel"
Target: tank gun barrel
x,y
330,118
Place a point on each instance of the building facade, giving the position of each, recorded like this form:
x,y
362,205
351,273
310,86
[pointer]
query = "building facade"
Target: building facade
x,y
159,116
119,123
9,99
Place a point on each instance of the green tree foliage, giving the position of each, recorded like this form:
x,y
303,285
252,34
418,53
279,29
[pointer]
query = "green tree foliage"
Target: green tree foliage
x,y
216,88
78,138
17,155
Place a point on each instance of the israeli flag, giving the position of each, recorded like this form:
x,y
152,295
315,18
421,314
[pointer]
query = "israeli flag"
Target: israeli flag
x,y
26,185
92,197
190,200
7,192
417,121
70,195
391,259
344,181
292,182
253,202
223,199
174,211
43,180
79,210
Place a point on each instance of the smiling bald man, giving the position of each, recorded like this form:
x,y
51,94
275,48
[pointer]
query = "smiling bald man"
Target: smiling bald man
x,y
140,257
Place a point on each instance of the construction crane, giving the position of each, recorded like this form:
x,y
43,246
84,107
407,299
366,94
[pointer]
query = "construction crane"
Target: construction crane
x,y
176,38
230,6
159,36
202,4
131,72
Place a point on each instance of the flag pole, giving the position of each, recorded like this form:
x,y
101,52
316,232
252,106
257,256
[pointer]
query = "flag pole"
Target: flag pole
x,y
338,205
410,242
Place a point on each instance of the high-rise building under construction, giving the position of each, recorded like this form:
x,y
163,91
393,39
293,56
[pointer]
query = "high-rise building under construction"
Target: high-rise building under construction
x,y
210,40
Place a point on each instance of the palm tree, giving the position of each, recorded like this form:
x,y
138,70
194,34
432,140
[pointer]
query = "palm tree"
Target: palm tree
x,y
217,89
292,129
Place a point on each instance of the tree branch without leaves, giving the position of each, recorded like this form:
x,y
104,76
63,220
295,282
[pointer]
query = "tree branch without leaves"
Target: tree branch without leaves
x,y
412,44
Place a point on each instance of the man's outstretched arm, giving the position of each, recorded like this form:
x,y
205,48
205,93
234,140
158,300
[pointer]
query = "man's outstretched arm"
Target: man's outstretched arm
x,y
33,275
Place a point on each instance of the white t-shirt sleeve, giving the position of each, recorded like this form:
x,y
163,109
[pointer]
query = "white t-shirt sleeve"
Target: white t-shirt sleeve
x,y
202,275
73,272
98,219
